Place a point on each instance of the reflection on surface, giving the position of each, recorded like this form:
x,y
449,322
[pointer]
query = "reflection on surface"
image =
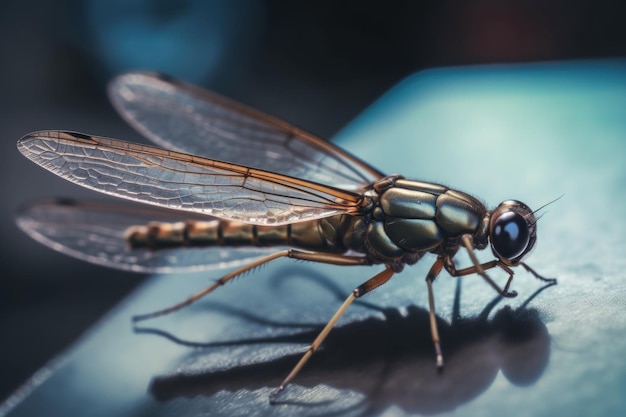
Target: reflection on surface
x,y
389,361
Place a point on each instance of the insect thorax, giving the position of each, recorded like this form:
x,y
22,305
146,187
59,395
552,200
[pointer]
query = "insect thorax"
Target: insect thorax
x,y
410,218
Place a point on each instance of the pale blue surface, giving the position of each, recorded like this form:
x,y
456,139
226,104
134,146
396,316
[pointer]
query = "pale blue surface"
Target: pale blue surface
x,y
532,133
525,132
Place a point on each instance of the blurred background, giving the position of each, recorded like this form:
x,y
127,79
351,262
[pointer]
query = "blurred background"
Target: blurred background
x,y
315,64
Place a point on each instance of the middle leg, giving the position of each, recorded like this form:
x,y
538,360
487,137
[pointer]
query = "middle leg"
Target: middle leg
x,y
369,285
321,257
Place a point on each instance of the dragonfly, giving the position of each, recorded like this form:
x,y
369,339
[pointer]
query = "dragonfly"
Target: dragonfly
x,y
240,188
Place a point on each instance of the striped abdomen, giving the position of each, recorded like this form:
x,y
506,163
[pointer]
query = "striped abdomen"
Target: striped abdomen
x,y
320,235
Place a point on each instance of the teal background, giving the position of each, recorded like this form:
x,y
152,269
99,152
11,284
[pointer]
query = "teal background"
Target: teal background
x,y
530,132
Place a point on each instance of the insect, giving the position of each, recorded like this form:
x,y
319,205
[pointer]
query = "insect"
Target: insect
x,y
261,183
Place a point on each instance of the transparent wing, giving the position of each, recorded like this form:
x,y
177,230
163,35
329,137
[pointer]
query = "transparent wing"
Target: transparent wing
x,y
95,232
189,119
179,181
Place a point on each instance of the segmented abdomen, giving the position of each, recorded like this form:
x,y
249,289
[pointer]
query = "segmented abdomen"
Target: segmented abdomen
x,y
318,235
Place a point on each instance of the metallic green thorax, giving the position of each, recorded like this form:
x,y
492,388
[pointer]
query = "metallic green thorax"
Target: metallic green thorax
x,y
410,218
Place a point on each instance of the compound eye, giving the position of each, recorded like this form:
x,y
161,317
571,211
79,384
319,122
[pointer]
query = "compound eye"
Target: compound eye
x,y
510,235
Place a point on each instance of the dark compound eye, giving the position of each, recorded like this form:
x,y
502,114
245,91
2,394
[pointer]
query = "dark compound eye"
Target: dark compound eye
x,y
510,235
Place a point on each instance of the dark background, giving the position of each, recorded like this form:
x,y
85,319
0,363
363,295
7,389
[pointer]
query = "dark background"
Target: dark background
x,y
316,64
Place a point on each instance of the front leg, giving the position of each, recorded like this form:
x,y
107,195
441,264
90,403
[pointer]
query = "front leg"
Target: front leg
x,y
480,269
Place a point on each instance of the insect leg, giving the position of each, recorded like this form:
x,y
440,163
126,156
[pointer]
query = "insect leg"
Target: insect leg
x,y
536,275
434,331
480,270
474,270
372,283
322,257
488,265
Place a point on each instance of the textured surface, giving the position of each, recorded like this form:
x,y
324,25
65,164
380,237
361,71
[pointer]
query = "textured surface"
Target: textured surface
x,y
530,133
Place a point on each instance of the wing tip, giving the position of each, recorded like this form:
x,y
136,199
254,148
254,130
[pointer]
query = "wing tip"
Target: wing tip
x,y
123,80
122,90
46,134
24,143
30,136
51,134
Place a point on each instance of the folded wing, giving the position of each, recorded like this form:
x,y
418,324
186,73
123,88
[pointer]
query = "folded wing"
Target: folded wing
x,y
184,182
188,119
96,232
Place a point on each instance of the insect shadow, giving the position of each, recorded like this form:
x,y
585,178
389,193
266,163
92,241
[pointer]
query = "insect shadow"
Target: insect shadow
x,y
388,359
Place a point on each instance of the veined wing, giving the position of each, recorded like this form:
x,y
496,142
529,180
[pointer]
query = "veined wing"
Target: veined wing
x,y
185,182
189,119
95,232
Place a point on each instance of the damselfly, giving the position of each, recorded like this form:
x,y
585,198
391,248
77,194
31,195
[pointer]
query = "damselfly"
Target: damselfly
x,y
263,184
